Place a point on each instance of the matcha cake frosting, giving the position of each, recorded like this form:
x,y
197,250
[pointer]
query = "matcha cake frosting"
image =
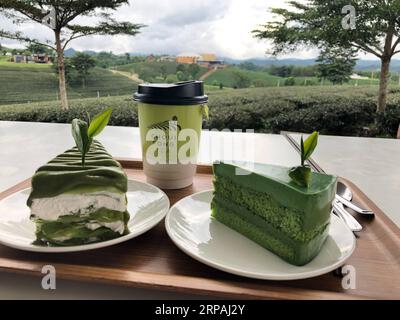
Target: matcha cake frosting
x,y
73,204
264,204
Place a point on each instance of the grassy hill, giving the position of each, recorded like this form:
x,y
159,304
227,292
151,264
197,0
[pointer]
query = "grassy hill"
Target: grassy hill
x,y
153,69
227,78
155,66
21,83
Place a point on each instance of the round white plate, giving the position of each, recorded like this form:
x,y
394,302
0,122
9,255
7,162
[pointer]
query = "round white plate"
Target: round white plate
x,y
190,226
147,206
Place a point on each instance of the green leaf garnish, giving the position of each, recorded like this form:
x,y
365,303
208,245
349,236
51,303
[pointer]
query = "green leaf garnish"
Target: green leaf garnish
x,y
302,174
81,137
83,133
99,122
309,146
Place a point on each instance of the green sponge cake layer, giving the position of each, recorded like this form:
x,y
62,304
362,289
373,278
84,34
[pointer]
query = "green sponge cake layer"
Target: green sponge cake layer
x,y
262,203
73,204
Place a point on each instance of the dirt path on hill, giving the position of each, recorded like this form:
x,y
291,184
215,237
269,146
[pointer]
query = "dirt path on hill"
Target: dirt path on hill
x,y
132,76
207,74
135,76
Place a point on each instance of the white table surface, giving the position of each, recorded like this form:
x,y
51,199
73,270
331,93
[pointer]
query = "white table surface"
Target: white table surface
x,y
373,164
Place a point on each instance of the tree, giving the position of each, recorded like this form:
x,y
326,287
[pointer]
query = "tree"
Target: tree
x,y
164,72
193,70
104,59
240,80
289,82
336,64
128,57
248,65
147,74
182,76
281,71
171,78
82,63
59,16
69,71
181,67
37,48
370,26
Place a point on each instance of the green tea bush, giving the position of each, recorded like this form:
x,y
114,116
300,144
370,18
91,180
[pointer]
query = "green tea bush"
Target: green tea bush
x,y
388,122
330,110
124,111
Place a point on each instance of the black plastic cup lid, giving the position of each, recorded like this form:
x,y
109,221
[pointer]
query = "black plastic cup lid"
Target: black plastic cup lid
x,y
181,93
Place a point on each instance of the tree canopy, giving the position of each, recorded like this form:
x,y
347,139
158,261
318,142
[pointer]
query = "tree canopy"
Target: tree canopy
x,y
319,23
336,64
83,63
66,11
60,16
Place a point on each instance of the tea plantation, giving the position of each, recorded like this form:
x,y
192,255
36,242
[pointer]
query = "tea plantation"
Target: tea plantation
x,y
31,83
331,110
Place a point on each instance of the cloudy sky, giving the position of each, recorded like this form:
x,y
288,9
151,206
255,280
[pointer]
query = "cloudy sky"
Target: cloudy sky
x,y
176,26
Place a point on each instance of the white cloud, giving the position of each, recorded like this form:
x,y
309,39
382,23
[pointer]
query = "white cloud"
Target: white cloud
x,y
175,26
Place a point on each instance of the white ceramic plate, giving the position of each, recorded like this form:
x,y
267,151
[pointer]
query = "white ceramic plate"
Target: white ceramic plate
x,y
191,227
147,206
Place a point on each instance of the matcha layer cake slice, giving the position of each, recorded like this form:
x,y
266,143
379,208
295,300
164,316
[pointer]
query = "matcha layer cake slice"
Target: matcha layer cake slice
x,y
73,204
268,207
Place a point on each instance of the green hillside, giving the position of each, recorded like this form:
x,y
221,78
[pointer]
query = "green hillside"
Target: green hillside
x,y
21,83
264,79
226,77
153,69
154,66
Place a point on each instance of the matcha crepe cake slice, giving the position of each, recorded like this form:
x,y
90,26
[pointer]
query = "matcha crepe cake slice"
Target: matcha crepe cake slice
x,y
79,197
73,205
265,204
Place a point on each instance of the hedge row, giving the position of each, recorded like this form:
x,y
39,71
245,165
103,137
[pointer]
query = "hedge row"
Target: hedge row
x,y
335,111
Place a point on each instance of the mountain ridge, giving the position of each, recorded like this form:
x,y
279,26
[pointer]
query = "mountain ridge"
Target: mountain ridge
x,y
362,65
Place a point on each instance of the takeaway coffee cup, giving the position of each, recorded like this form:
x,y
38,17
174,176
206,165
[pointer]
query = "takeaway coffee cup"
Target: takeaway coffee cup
x,y
170,120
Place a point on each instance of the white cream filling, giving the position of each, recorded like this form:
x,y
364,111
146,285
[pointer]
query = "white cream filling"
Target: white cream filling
x,y
76,204
117,226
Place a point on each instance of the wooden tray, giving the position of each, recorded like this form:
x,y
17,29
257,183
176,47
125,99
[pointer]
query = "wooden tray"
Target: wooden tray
x,y
152,260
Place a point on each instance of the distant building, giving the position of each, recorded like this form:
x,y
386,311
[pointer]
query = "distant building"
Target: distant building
x,y
34,58
188,58
151,58
209,60
19,58
168,58
41,58
208,57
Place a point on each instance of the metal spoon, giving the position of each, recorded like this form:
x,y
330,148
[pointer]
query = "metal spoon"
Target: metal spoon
x,y
344,195
350,221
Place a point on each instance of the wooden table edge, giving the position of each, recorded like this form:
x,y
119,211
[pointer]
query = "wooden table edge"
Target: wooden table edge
x,y
177,284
